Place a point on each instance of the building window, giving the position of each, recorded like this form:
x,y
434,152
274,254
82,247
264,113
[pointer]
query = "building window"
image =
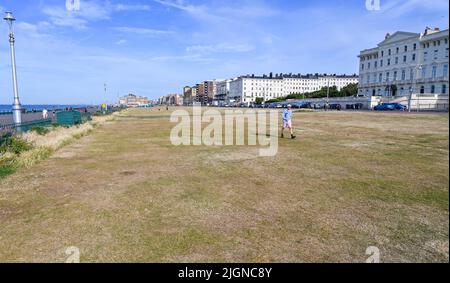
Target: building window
x,y
404,59
382,53
376,64
445,71
389,62
414,57
433,72
403,75
396,60
387,76
406,48
433,89
415,46
424,72
395,75
380,78
444,89
397,50
381,63
422,89
411,74
389,52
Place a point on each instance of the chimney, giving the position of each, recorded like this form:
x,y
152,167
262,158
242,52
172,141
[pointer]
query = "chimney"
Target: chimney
x,y
387,36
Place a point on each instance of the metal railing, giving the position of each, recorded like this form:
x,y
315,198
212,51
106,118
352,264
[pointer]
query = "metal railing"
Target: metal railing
x,y
439,107
24,127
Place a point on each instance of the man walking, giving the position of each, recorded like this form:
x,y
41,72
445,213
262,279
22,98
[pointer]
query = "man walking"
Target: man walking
x,y
45,114
287,121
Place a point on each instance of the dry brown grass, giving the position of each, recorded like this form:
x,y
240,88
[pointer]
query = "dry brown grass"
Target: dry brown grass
x,y
124,193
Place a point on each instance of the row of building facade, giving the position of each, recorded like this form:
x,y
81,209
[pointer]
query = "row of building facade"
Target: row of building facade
x,y
171,100
132,100
406,63
246,89
403,64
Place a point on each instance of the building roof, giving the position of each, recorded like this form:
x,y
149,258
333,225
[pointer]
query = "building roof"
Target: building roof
x,y
434,34
298,76
398,36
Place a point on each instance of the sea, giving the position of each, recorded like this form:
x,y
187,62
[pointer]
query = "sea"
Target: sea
x,y
40,107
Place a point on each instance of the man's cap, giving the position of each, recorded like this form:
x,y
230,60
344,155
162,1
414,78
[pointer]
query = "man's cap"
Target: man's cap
x,y
289,106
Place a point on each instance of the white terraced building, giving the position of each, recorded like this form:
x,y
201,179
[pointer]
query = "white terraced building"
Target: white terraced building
x,y
246,89
406,64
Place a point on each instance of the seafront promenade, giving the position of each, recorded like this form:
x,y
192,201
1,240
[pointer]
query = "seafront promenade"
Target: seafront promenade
x,y
28,117
6,118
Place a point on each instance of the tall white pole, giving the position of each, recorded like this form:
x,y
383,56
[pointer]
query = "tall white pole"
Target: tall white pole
x,y
17,107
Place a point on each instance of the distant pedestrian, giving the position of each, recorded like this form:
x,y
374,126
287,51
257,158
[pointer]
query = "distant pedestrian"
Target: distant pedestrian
x,y
287,122
45,114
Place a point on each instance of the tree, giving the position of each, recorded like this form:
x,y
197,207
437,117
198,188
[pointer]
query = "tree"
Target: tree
x,y
259,100
350,90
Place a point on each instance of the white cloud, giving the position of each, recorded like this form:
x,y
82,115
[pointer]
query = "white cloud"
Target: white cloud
x,y
181,4
396,8
121,42
33,30
190,58
125,7
89,11
220,48
143,31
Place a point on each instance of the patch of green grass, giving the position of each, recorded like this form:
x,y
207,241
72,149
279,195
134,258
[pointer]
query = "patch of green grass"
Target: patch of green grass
x,y
6,170
14,145
42,131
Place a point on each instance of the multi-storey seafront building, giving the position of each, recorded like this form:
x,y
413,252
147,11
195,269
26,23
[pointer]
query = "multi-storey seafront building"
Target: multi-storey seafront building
x,y
189,95
171,99
222,92
406,63
205,92
132,100
246,89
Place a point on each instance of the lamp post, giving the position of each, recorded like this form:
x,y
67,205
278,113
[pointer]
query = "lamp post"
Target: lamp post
x,y
17,108
328,94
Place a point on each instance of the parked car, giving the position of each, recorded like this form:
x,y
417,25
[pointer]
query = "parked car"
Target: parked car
x,y
276,105
335,107
301,105
356,106
318,106
390,107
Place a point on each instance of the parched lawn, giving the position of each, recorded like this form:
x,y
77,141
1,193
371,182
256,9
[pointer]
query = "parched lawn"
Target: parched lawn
x,y
125,194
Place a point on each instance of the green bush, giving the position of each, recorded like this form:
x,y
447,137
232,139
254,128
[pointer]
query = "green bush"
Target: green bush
x,y
42,131
9,143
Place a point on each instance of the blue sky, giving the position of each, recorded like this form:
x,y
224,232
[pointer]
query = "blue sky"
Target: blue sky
x,y
155,47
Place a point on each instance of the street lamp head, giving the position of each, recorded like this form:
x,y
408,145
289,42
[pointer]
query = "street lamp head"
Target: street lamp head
x,y
9,17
